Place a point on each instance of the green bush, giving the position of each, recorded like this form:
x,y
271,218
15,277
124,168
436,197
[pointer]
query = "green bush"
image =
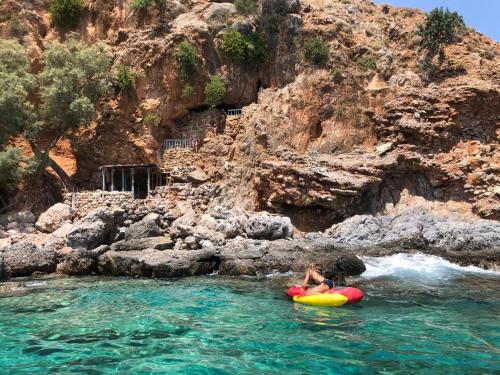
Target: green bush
x,y
255,50
126,77
66,13
316,50
152,119
245,7
440,28
187,91
233,45
187,56
143,4
249,48
337,74
341,111
367,63
215,89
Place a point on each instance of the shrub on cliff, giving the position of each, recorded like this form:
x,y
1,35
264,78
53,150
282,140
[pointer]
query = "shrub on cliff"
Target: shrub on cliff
x,y
316,50
215,89
126,77
239,48
245,7
142,4
66,13
233,45
152,119
367,63
439,29
187,57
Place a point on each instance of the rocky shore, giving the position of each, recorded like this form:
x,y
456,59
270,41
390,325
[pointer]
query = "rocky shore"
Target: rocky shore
x,y
179,242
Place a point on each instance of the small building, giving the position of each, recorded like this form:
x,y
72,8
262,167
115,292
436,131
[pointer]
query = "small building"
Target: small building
x,y
140,179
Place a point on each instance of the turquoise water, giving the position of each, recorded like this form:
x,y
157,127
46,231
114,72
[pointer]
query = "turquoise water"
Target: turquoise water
x,y
419,316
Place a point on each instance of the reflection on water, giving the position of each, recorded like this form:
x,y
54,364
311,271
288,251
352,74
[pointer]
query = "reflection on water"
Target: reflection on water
x,y
434,324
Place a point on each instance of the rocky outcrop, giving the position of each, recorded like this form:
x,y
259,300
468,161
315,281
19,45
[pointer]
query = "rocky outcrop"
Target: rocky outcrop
x,y
24,258
93,230
77,262
156,243
55,217
268,227
416,229
147,227
158,263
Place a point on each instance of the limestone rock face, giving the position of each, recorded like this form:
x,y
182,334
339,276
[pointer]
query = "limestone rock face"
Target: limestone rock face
x,y
416,229
52,219
268,227
25,257
149,226
93,230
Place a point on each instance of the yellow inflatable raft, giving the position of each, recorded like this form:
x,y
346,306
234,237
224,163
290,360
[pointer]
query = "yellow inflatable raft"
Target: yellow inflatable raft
x,y
323,299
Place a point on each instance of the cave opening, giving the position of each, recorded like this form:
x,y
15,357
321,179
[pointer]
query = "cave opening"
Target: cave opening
x,y
310,218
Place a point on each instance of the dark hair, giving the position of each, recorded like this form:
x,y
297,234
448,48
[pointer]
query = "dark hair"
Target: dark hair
x,y
329,274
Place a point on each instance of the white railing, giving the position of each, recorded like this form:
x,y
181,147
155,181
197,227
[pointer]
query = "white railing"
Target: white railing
x,y
233,112
177,143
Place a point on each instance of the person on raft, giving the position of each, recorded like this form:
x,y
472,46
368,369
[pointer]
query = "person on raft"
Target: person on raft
x,y
323,281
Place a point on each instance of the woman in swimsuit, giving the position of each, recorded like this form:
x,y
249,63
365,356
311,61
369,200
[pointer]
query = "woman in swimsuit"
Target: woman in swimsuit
x,y
323,282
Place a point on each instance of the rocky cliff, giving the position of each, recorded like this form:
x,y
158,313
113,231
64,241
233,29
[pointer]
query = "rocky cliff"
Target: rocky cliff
x,y
317,143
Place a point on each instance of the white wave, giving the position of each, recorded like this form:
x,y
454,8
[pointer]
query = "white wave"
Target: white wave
x,y
36,283
417,266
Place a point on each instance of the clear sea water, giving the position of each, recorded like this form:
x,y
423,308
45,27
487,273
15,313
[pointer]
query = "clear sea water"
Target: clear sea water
x,y
420,315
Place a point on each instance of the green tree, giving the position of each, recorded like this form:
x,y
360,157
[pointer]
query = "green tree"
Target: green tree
x,y
215,90
187,57
316,50
16,84
66,13
439,29
75,76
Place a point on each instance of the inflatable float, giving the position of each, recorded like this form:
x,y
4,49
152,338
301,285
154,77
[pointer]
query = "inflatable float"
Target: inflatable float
x,y
334,297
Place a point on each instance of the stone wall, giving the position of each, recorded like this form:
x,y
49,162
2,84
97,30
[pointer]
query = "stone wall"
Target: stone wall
x,y
86,201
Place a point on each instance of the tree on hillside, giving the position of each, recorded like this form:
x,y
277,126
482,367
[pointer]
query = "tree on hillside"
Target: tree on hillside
x,y
74,77
16,112
439,29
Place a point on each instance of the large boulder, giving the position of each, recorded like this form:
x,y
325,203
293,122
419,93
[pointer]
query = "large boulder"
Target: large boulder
x,y
20,217
25,257
93,230
224,221
158,263
77,262
268,227
149,226
350,265
55,217
157,243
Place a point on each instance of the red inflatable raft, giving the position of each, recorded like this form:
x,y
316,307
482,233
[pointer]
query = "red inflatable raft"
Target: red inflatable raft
x,y
333,297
